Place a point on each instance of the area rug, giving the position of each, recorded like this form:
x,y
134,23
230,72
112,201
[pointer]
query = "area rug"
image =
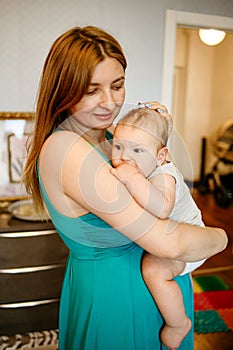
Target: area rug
x,y
213,305
42,340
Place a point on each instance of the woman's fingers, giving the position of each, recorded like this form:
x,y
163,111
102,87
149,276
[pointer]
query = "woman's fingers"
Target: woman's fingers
x,y
158,107
153,105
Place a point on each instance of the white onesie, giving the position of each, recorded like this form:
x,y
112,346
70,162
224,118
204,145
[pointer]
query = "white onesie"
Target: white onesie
x,y
185,209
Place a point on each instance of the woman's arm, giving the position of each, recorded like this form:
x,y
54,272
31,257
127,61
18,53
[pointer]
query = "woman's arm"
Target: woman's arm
x,y
86,179
156,195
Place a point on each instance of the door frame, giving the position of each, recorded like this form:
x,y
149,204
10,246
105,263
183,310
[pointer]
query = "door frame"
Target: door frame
x,y
173,19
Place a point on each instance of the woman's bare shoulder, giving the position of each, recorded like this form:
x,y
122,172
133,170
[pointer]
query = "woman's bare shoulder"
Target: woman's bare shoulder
x,y
51,165
60,142
61,137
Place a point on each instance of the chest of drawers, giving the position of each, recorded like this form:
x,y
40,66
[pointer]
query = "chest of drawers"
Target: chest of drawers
x,y
32,264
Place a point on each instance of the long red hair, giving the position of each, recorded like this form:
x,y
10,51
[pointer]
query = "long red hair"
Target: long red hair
x,y
66,76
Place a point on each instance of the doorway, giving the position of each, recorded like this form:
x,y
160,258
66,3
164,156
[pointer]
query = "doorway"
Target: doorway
x,y
197,111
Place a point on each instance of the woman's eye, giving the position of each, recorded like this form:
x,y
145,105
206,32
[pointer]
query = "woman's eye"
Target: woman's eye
x,y
91,92
118,87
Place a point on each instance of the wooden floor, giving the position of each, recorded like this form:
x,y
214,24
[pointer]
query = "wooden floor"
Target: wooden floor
x,y
221,264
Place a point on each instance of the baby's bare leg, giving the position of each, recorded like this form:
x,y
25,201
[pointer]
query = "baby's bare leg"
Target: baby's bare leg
x,y
158,274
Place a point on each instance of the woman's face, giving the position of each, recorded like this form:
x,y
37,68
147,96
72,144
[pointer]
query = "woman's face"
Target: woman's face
x,y
104,98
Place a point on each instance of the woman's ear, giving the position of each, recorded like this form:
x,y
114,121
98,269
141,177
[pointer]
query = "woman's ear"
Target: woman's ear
x,y
162,154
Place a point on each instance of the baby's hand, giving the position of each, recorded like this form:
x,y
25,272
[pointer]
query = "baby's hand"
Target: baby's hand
x,y
124,173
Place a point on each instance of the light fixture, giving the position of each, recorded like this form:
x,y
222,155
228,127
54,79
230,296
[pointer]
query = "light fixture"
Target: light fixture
x,y
211,36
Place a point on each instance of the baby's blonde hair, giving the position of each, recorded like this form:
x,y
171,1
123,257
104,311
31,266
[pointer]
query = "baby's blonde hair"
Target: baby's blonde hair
x,y
148,120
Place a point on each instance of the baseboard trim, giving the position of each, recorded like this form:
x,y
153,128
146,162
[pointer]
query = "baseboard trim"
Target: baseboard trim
x,y
213,270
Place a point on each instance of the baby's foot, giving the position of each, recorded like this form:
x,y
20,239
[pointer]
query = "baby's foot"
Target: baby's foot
x,y
171,337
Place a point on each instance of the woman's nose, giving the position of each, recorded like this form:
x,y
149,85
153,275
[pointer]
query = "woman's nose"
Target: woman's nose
x,y
106,98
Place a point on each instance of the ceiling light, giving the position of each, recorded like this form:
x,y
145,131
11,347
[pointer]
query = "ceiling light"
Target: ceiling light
x,y
211,36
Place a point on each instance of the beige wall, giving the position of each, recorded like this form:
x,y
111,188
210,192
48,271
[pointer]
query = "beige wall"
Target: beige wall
x,y
203,96
222,91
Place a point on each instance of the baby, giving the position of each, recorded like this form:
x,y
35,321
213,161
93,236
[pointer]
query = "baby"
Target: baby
x,y
139,157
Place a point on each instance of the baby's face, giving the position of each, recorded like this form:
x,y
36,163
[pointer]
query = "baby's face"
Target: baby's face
x,y
136,147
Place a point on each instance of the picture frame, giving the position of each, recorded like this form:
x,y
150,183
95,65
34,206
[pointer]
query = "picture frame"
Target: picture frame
x,y
15,131
17,154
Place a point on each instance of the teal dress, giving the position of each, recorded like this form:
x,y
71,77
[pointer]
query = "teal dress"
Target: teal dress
x,y
105,304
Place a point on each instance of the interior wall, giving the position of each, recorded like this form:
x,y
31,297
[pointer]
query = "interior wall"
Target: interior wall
x,y
222,92
28,28
203,96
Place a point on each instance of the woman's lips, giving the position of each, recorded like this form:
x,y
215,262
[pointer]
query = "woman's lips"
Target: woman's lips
x,y
104,116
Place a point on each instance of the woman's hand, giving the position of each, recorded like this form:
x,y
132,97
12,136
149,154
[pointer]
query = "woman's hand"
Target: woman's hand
x,y
158,107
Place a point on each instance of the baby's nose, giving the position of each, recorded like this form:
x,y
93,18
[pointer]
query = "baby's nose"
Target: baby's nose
x,y
125,155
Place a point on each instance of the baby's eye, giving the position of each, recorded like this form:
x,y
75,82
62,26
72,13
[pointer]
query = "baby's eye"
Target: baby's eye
x,y
138,150
117,147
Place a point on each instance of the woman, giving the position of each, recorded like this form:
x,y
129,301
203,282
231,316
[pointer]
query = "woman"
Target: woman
x,y
104,303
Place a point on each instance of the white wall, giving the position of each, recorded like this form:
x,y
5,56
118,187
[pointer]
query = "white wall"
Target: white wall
x,y
28,28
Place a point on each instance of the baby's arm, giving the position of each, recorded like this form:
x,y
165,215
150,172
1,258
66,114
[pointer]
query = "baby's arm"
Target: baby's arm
x,y
157,195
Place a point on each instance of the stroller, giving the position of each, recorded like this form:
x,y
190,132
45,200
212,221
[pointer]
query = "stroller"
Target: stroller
x,y
218,180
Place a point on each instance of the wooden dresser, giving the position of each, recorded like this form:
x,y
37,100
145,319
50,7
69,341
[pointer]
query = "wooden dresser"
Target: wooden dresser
x,y
32,264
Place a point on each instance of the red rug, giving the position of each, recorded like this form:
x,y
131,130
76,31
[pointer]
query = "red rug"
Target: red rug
x,y
213,305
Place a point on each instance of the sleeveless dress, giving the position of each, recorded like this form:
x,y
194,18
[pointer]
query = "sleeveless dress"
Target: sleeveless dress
x,y
105,304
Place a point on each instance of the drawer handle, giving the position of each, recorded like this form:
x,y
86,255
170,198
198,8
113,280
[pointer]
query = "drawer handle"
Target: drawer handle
x,y
28,303
27,234
31,269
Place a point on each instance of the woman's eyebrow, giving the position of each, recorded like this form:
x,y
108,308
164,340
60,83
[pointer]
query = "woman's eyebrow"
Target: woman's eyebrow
x,y
119,79
122,78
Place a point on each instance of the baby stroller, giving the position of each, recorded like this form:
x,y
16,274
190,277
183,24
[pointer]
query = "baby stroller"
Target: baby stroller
x,y
219,180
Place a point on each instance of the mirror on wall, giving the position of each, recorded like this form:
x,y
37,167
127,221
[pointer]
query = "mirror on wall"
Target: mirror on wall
x,y
15,131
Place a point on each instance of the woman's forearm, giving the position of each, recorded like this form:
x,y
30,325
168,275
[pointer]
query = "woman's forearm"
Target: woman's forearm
x,y
184,242
202,245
